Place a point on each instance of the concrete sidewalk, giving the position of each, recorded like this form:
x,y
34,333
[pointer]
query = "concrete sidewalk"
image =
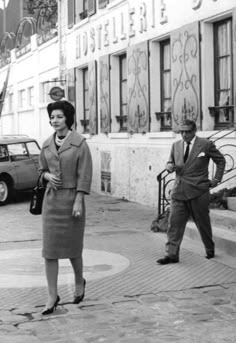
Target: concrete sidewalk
x,y
129,298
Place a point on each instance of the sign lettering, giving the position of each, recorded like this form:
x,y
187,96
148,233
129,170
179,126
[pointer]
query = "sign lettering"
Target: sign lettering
x,y
196,4
164,18
143,18
118,29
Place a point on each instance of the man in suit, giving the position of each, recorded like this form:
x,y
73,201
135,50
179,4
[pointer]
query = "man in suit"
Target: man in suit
x,y
189,158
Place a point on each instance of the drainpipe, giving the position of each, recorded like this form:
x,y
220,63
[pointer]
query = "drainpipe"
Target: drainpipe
x,y
61,61
4,17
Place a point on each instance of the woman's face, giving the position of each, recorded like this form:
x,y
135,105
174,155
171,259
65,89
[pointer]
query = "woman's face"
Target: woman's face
x,y
58,120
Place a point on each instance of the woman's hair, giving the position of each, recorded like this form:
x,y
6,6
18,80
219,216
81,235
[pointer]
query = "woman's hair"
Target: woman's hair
x,y
66,107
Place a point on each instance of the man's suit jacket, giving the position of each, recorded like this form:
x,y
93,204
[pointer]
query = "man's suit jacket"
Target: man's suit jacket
x,y
192,177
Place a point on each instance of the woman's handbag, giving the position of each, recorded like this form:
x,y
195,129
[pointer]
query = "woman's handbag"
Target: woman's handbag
x,y
37,197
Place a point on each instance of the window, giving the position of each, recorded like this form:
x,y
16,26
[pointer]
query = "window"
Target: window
x,y
3,153
102,3
18,152
79,9
84,14
5,104
45,88
33,149
71,12
85,121
45,92
165,85
31,96
22,98
223,64
123,93
10,102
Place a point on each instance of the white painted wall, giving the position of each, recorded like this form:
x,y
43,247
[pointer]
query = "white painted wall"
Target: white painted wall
x,y
136,160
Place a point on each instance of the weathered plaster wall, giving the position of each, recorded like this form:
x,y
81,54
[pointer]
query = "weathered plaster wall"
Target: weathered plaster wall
x,y
134,167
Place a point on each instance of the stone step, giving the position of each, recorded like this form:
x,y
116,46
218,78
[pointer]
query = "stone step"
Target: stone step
x,y
224,231
223,218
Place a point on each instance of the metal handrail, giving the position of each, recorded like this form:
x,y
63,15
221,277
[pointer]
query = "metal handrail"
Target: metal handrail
x,y
226,134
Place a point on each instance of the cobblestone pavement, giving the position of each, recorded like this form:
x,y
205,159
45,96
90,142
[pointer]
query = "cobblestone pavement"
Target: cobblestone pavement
x,y
129,298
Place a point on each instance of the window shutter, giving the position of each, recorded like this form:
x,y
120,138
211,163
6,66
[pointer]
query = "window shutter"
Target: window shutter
x,y
91,7
102,3
185,74
138,88
92,83
104,72
234,59
71,85
71,12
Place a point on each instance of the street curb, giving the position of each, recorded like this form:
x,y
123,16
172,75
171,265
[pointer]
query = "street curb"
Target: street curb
x,y
225,240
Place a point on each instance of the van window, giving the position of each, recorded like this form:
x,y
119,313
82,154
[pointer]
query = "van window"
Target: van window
x,y
3,153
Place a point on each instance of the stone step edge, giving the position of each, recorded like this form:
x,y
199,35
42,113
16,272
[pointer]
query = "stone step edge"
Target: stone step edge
x,y
225,240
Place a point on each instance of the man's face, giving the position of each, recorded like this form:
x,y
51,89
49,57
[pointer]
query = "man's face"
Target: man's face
x,y
188,133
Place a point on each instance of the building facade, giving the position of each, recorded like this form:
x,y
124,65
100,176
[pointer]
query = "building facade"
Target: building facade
x,y
134,71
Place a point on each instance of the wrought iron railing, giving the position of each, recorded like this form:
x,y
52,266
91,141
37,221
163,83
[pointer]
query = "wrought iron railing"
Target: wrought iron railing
x,y
165,179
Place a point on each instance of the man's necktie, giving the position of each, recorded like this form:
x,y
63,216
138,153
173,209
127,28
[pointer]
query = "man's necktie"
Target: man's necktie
x,y
186,152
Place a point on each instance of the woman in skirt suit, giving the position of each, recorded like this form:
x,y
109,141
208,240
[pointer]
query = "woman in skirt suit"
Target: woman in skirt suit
x,y
66,167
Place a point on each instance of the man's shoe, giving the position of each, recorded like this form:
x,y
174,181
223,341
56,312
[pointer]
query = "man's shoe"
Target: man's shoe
x,y
167,260
210,255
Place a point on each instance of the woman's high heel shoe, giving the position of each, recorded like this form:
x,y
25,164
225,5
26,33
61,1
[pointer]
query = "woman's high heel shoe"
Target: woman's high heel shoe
x,y
79,298
52,309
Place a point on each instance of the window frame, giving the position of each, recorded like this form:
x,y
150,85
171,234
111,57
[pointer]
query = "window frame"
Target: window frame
x,y
31,96
84,14
226,110
22,98
10,102
164,71
17,156
122,80
78,10
85,120
102,3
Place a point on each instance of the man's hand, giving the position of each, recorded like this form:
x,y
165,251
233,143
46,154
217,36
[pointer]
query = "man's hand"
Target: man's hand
x,y
170,167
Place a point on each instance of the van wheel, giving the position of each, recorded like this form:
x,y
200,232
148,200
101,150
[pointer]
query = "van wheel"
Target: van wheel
x,y
4,192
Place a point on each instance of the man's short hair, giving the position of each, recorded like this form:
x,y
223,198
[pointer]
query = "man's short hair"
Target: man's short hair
x,y
186,124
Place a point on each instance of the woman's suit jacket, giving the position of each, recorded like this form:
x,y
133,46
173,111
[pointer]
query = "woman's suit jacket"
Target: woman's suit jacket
x,y
72,161
192,177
